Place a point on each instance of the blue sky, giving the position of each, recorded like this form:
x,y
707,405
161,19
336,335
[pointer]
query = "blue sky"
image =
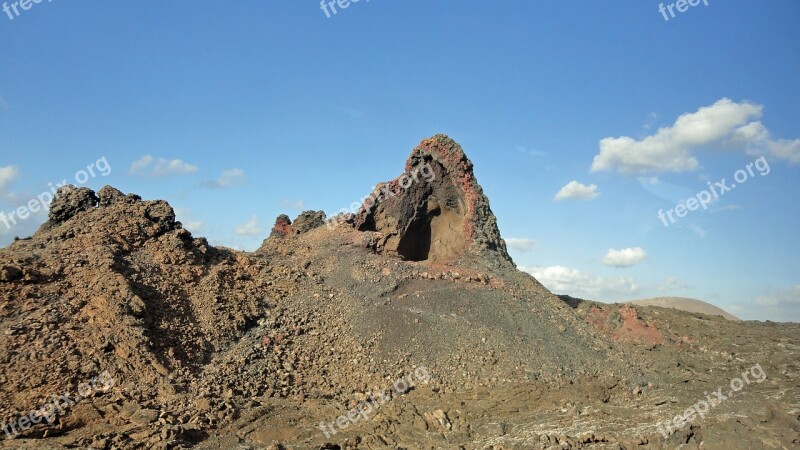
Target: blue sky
x,y
237,112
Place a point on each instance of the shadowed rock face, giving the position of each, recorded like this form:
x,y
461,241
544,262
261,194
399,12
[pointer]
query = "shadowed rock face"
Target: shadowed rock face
x,y
436,211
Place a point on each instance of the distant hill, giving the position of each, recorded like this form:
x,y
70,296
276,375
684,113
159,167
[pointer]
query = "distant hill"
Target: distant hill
x,y
686,304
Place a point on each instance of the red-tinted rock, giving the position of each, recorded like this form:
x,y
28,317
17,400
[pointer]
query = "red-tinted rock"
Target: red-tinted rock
x,y
436,211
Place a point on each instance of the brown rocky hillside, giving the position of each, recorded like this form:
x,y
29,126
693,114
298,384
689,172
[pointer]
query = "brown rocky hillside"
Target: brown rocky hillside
x,y
215,348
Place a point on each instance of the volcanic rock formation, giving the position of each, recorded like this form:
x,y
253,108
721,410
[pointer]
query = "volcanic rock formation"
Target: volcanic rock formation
x,y
434,212
218,349
305,222
436,218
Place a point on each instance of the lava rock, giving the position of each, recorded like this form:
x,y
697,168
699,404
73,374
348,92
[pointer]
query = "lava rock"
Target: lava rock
x,y
108,196
436,211
307,221
282,228
69,201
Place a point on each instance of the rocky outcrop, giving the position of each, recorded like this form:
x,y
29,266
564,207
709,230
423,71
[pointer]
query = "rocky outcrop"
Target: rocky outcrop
x,y
305,222
436,211
213,348
108,196
113,283
282,228
69,201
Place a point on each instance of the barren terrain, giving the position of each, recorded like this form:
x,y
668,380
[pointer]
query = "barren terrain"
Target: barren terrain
x,y
410,311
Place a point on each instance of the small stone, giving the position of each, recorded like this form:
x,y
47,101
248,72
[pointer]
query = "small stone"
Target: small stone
x,y
145,416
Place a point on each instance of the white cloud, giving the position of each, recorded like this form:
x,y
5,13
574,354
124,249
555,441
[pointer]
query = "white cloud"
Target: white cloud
x,y
8,175
3,103
228,178
521,244
725,123
744,135
189,221
783,305
577,191
296,204
140,164
563,280
755,139
783,149
162,167
625,257
250,228
173,167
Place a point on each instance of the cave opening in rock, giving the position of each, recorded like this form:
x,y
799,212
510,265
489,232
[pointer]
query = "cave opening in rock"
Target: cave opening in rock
x,y
434,234
415,244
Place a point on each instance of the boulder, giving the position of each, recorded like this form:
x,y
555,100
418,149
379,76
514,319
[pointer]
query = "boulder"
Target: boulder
x,y
69,201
